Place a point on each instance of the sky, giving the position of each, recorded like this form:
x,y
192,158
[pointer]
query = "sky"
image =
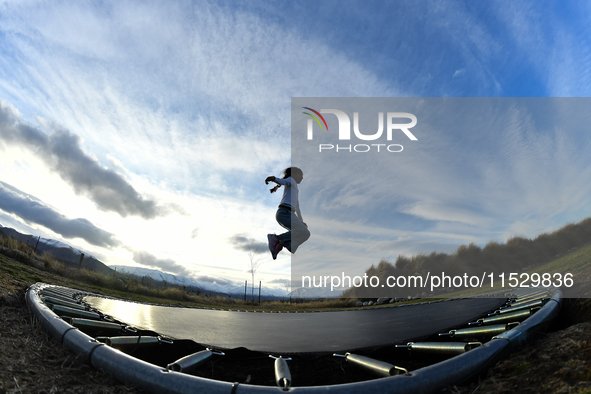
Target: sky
x,y
141,132
455,170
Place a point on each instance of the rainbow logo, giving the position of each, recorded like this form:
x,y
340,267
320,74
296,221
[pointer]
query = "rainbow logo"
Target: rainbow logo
x,y
315,118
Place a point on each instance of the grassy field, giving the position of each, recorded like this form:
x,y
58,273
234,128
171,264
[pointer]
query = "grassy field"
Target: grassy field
x,y
32,362
516,255
577,262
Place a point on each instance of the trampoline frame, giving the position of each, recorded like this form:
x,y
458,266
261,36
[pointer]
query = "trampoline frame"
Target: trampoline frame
x,y
157,379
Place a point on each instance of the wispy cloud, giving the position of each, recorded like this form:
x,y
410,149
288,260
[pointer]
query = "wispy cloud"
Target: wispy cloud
x,y
62,152
168,265
243,242
550,44
211,280
33,210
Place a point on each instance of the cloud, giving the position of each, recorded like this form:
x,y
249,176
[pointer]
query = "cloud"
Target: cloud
x,y
209,279
242,242
459,73
195,233
280,281
555,49
34,210
61,150
201,90
167,265
431,210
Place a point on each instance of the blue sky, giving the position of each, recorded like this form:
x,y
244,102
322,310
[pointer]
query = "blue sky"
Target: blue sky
x,y
154,124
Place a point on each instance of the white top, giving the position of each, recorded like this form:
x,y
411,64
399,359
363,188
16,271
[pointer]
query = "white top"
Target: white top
x,y
290,193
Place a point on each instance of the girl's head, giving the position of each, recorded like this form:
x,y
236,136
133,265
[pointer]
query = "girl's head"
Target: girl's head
x,y
294,172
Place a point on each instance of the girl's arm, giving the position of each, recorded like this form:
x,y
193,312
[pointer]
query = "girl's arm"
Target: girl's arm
x,y
281,181
270,179
278,181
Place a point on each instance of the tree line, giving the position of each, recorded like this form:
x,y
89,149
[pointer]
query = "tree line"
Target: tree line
x,y
515,255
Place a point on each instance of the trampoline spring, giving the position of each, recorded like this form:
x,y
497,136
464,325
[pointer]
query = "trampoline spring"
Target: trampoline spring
x,y
282,374
129,329
529,297
56,292
516,316
480,332
170,342
95,325
450,348
535,294
65,311
132,341
61,301
532,297
377,367
522,302
528,305
216,353
191,362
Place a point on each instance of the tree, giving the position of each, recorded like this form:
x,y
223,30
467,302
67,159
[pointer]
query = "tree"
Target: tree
x,y
254,264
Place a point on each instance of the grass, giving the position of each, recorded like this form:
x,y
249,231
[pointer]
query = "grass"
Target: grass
x,y
577,262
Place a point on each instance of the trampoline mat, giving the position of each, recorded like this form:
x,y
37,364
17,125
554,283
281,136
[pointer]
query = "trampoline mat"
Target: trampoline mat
x,y
294,333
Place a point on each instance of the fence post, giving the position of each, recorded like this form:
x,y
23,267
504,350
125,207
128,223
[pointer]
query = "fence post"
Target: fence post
x,y
80,262
259,292
37,244
245,290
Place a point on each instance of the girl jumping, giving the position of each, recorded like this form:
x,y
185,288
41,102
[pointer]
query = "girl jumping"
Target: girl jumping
x,y
288,214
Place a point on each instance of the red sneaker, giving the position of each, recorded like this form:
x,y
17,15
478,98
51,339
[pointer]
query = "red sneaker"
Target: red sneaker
x,y
274,245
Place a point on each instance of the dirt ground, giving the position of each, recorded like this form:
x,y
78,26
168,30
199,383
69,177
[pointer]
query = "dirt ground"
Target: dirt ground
x,y
31,362
559,361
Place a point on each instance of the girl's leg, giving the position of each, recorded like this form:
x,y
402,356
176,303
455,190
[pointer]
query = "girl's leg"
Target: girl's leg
x,y
298,233
283,217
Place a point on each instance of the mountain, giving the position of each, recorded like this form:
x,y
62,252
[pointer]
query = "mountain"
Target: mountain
x,y
59,250
220,289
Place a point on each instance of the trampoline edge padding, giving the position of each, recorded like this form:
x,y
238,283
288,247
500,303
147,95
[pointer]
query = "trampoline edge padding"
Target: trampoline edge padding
x,y
156,379
51,322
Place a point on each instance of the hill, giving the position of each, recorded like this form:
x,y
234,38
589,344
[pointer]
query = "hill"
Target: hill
x,y
517,256
60,251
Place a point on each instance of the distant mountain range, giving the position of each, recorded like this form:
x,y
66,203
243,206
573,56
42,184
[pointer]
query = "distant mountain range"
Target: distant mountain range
x,y
194,284
61,251
71,257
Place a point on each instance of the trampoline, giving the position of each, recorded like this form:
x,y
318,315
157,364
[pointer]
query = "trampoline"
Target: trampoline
x,y
302,334
295,333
